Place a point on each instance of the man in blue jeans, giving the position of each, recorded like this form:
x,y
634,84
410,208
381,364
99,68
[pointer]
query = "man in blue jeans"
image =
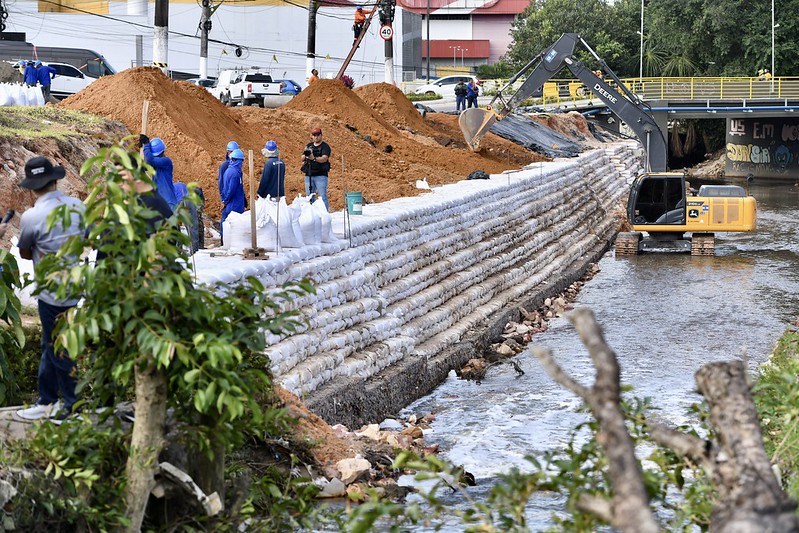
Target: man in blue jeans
x,y
56,370
316,166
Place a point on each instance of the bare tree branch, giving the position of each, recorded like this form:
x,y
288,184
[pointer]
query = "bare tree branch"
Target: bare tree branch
x,y
557,374
683,445
597,506
629,510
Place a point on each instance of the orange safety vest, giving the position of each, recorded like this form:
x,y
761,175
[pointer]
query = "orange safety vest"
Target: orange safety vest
x,y
360,15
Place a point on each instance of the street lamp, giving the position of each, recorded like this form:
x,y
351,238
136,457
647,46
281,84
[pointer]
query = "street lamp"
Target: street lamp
x,y
773,27
454,52
641,56
462,51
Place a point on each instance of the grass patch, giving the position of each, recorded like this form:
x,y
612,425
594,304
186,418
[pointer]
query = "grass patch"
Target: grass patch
x,y
776,395
423,97
45,121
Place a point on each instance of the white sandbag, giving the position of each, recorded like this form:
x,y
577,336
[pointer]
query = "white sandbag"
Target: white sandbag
x,y
20,95
35,96
267,236
310,221
326,222
287,221
236,233
5,96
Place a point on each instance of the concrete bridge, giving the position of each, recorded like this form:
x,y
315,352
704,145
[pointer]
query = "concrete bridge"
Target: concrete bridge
x,y
761,115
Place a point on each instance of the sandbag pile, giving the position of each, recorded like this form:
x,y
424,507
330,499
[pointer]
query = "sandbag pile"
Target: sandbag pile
x,y
18,94
279,225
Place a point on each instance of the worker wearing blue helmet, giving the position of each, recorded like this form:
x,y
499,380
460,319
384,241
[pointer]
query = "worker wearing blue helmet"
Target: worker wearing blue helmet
x,y
232,145
31,75
274,173
45,74
231,188
154,155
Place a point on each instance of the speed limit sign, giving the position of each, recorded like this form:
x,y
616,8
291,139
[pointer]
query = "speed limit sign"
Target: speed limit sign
x,y
386,32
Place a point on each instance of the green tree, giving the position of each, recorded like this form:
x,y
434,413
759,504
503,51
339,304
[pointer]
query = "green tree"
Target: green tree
x,y
12,336
146,322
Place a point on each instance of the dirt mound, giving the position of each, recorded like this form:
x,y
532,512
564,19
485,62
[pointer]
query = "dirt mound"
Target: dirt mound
x,y
572,124
369,153
392,105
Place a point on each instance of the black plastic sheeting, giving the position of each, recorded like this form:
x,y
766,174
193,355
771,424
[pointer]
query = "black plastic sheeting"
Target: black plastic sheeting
x,y
535,136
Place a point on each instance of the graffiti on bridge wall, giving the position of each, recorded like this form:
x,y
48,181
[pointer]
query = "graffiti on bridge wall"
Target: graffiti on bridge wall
x,y
765,147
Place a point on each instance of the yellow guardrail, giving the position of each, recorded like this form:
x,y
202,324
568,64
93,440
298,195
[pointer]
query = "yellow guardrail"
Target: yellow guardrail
x,y
688,88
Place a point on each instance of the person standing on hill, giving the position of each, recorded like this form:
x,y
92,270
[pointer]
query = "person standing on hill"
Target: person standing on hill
x,y
38,239
31,75
231,189
460,96
154,155
471,93
316,166
360,19
314,76
274,174
45,75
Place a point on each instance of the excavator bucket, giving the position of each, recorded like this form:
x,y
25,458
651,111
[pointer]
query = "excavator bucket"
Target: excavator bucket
x,y
474,123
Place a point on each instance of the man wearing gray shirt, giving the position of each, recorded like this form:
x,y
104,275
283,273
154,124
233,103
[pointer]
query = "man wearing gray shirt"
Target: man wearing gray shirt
x,y
56,371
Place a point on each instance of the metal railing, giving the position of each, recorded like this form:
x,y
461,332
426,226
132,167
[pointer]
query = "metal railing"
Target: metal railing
x,y
704,88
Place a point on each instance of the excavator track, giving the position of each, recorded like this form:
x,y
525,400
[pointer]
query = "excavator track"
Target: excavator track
x,y
703,244
627,242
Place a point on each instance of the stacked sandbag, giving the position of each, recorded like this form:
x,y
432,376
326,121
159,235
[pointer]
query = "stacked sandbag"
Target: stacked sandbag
x,y
18,94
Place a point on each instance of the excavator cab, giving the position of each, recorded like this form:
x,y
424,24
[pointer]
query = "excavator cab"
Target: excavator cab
x,y
662,209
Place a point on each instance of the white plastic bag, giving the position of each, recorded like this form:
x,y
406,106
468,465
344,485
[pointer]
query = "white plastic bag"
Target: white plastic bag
x,y
287,221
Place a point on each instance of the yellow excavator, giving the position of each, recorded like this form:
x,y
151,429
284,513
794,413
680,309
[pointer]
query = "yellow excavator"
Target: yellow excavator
x,y
661,207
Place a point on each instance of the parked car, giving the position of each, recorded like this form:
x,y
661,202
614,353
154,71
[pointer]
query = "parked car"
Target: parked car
x,y
206,83
68,80
444,86
290,87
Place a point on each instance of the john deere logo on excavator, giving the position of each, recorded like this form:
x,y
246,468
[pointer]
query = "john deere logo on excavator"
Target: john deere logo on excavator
x,y
598,89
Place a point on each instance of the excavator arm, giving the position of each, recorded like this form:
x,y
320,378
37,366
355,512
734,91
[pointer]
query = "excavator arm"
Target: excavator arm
x,y
475,122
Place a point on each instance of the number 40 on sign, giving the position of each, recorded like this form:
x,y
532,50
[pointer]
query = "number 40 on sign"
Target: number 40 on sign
x,y
386,32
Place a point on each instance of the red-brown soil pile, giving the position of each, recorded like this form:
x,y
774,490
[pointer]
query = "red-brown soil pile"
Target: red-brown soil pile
x,y
358,125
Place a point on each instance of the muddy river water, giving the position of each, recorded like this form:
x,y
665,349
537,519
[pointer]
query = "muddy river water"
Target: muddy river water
x,y
665,315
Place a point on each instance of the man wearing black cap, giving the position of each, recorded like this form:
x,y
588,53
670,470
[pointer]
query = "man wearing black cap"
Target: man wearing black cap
x,y
316,166
56,371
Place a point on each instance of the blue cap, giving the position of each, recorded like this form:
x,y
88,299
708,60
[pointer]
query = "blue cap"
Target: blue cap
x,y
38,63
157,146
271,146
236,154
232,145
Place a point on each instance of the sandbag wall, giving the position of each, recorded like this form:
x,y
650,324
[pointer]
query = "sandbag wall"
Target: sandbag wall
x,y
422,273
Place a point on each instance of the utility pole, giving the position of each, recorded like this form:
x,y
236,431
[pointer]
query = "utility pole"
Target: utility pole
x,y
161,35
310,54
386,13
205,29
427,19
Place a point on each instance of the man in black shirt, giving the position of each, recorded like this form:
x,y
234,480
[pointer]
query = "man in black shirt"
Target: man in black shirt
x,y
316,166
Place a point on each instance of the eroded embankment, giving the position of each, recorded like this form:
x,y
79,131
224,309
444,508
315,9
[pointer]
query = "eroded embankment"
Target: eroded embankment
x,y
428,282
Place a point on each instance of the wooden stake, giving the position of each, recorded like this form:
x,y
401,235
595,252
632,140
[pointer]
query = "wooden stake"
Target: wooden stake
x,y
254,252
145,114
252,202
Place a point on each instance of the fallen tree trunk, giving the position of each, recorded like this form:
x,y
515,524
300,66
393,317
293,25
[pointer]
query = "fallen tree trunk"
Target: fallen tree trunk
x,y
750,496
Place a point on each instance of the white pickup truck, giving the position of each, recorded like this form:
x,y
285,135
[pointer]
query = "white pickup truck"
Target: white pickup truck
x,y
248,87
